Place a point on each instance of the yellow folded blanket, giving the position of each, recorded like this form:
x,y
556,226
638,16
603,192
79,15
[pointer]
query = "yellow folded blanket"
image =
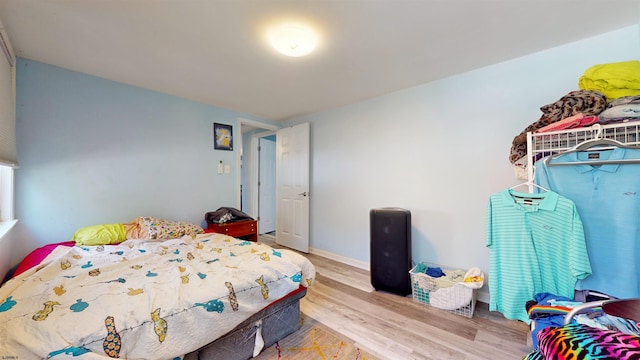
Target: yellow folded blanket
x,y
614,80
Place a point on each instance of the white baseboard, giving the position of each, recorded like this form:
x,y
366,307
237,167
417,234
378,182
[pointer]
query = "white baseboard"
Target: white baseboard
x,y
483,296
343,259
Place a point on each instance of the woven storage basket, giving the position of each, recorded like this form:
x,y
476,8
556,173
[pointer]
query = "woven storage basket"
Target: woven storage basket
x,y
442,293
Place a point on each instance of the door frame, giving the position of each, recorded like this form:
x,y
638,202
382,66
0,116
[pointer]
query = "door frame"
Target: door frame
x,y
253,165
255,173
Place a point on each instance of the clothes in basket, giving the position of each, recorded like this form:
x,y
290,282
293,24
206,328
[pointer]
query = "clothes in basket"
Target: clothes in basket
x,y
447,289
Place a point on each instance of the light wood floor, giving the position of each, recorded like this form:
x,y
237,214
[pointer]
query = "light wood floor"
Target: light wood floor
x,y
395,327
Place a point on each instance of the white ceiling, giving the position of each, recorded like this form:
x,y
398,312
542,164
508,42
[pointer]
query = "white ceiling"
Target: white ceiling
x,y
213,51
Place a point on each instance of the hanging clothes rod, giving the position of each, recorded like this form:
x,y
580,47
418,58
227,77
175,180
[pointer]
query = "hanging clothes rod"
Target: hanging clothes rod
x,y
594,162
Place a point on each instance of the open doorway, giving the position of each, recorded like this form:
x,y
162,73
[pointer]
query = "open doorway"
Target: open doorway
x,y
256,180
267,184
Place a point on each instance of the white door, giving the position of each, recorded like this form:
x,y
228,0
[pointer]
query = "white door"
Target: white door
x,y
292,187
267,186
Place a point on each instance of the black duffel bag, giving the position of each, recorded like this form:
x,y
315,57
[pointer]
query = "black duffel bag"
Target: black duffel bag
x,y
224,215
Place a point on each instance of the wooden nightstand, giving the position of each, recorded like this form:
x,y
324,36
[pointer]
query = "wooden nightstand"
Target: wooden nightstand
x,y
246,229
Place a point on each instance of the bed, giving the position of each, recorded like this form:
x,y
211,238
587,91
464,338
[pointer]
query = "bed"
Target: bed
x,y
200,296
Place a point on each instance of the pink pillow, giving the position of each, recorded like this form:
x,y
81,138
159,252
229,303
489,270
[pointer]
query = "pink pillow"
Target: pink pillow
x,y
36,256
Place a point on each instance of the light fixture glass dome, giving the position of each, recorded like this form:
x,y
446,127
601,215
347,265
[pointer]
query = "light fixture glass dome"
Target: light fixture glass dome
x,y
293,40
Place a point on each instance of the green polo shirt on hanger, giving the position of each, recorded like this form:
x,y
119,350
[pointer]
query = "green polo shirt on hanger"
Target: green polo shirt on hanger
x,y
536,244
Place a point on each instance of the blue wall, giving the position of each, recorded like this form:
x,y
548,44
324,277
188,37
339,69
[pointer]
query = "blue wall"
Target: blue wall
x,y
439,149
94,151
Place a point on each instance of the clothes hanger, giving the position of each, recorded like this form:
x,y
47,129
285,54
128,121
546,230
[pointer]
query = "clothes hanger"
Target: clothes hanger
x,y
530,184
595,144
531,198
600,143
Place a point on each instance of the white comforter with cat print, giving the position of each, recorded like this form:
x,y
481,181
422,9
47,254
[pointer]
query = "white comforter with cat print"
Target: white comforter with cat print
x,y
142,299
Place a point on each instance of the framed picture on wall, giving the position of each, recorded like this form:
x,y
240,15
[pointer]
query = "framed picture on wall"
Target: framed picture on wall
x,y
222,137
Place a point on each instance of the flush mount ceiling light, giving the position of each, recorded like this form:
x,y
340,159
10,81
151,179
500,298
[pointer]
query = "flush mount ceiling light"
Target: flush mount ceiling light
x,y
293,40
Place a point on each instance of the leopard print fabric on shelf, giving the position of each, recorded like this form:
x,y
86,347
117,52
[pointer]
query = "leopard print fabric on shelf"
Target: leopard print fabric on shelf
x,y
588,102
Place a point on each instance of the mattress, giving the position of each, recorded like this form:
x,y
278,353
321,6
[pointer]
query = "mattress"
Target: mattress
x,y
227,289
